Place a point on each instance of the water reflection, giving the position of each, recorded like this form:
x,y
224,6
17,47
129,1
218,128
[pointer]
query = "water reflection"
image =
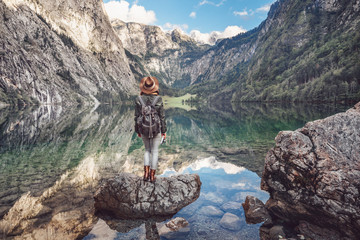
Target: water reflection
x,y
39,145
125,229
52,159
225,187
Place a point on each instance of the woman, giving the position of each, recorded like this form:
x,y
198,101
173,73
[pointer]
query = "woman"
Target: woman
x,y
149,91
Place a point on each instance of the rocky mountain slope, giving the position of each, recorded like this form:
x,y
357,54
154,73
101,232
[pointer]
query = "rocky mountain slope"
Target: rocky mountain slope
x,y
68,52
176,59
304,50
152,51
310,51
60,52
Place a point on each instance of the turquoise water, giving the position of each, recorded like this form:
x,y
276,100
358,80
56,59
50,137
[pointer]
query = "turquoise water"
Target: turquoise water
x,y
57,158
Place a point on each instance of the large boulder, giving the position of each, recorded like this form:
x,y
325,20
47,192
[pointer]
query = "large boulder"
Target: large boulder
x,y
127,196
313,176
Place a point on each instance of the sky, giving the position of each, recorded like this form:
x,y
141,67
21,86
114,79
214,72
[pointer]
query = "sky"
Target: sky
x,y
204,20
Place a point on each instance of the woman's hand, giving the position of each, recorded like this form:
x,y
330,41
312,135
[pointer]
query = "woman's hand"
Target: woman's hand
x,y
163,135
139,135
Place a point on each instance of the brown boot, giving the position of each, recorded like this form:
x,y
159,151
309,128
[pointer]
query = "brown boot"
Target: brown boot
x,y
152,175
146,173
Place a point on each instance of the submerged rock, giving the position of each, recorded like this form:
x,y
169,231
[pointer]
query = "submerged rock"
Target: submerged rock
x,y
231,207
230,221
177,228
255,211
127,196
211,211
313,175
177,223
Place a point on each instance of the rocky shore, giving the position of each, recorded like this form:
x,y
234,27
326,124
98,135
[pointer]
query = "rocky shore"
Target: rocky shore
x,y
313,177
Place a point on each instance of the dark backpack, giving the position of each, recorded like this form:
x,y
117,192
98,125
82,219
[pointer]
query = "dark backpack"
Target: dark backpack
x,y
149,121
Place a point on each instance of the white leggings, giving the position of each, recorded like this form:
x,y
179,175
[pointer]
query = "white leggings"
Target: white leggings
x,y
151,147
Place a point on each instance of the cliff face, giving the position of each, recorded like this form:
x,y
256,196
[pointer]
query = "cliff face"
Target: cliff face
x,y
165,55
60,52
140,39
175,58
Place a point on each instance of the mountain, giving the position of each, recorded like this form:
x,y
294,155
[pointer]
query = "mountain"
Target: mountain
x,y
60,52
304,51
68,52
310,50
151,51
176,59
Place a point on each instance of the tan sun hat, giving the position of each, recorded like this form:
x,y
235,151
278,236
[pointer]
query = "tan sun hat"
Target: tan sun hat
x,y
149,85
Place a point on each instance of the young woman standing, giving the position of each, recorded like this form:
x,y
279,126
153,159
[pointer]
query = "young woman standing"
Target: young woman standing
x,y
149,96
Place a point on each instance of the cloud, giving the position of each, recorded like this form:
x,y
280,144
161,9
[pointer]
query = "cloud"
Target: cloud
x,y
193,15
211,38
212,3
243,13
167,27
264,8
212,163
231,31
122,10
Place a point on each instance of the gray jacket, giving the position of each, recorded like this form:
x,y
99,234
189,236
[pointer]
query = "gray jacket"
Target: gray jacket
x,y
159,106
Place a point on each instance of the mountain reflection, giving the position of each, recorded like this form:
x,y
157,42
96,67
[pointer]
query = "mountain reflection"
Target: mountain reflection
x,y
52,158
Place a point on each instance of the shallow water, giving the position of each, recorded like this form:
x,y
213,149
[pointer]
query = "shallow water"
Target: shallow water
x,y
53,159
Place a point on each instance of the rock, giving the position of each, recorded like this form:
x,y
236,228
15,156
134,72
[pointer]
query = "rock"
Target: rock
x,y
177,228
276,232
230,221
177,223
128,196
329,5
102,231
231,206
255,211
211,211
313,174
315,232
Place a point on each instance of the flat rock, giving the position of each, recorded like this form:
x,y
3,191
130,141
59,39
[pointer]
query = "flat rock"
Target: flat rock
x,y
127,196
230,221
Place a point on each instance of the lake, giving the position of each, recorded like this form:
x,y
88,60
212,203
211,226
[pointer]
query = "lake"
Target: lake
x,y
53,159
